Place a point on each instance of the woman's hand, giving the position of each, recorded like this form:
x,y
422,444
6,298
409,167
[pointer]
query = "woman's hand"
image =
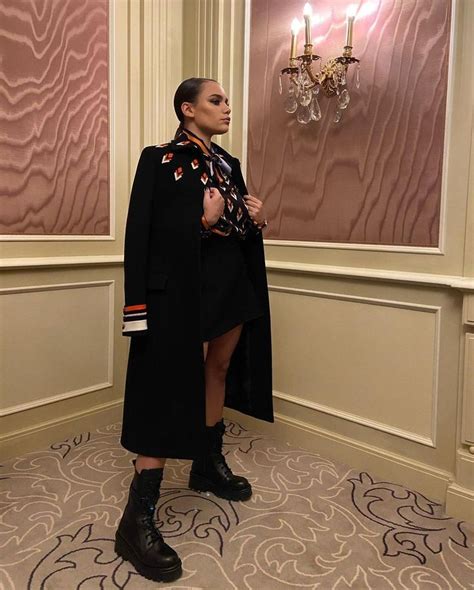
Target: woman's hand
x,y
255,207
213,205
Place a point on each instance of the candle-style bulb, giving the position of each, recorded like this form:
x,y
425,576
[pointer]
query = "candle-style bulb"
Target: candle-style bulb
x,y
307,12
295,26
351,11
295,29
350,14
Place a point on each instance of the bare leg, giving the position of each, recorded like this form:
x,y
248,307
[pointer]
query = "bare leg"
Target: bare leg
x,y
217,360
144,462
211,473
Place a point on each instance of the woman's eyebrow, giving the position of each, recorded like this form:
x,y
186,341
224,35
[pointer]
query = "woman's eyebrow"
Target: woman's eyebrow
x,y
219,96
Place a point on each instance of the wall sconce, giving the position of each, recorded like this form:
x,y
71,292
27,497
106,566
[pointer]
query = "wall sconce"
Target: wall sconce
x,y
304,84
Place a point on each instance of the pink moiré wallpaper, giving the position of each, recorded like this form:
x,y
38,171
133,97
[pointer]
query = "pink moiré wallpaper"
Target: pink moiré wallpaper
x,y
54,165
375,177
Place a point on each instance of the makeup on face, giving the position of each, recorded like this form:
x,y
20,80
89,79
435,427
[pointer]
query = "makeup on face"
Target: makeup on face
x,y
211,112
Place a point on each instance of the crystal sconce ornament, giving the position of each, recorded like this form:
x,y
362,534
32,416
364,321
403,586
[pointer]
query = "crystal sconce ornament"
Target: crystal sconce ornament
x,y
305,84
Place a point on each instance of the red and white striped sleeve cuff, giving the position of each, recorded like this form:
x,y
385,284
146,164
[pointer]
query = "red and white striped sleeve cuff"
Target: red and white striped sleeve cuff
x,y
134,320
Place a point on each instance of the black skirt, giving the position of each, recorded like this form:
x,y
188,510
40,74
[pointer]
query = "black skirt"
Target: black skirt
x,y
227,294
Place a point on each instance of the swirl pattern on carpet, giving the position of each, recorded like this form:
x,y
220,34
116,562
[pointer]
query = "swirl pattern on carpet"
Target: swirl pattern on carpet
x,y
311,523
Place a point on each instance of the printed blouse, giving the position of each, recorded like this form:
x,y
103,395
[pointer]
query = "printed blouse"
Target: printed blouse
x,y
235,220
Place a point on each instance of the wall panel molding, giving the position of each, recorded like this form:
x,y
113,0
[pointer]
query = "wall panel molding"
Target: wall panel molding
x,y
60,261
41,434
363,247
438,280
315,203
163,67
424,440
52,343
389,349
214,40
468,394
74,96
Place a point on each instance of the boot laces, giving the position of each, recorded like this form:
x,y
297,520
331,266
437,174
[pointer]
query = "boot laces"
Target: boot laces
x,y
226,469
152,532
149,505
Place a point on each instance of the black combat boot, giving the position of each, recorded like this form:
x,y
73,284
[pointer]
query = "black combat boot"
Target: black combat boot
x,y
212,474
137,539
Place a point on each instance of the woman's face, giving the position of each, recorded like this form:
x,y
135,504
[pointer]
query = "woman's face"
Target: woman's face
x,y
211,112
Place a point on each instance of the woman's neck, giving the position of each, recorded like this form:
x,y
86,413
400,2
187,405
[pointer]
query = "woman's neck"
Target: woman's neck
x,y
206,138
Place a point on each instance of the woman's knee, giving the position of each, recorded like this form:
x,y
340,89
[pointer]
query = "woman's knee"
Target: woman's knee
x,y
217,367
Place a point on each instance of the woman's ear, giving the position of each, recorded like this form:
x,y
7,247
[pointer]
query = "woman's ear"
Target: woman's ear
x,y
187,109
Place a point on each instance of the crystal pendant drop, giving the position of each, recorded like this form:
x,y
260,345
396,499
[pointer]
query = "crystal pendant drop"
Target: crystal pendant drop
x,y
303,115
280,85
290,105
316,90
315,109
337,116
343,77
305,98
358,76
343,99
299,82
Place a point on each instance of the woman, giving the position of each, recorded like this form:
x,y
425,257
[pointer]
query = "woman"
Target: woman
x,y
196,306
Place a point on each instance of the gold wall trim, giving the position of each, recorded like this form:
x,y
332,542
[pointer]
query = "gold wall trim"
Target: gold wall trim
x,y
453,281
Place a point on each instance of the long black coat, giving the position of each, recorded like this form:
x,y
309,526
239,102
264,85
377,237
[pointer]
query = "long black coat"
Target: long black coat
x,y
164,409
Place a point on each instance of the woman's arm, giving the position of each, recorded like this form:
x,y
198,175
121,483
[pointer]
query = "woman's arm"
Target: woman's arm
x,y
137,234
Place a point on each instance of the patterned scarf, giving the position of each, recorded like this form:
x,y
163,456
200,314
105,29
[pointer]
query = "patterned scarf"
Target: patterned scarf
x,y
235,221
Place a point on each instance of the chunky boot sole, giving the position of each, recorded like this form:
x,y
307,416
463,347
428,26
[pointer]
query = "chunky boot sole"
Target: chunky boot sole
x,y
202,484
151,573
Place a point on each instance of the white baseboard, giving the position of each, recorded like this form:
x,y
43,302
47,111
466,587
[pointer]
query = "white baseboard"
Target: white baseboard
x,y
39,436
381,463
460,502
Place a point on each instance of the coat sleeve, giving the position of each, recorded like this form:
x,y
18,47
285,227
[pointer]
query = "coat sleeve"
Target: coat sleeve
x,y
137,235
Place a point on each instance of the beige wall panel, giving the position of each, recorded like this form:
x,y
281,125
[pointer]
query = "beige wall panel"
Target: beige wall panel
x,y
60,342
367,360
468,393
341,422
39,426
468,309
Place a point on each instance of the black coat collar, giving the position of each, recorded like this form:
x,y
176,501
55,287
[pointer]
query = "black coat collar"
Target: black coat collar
x,y
184,143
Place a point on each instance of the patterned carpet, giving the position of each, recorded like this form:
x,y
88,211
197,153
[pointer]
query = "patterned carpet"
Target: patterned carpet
x,y
311,523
